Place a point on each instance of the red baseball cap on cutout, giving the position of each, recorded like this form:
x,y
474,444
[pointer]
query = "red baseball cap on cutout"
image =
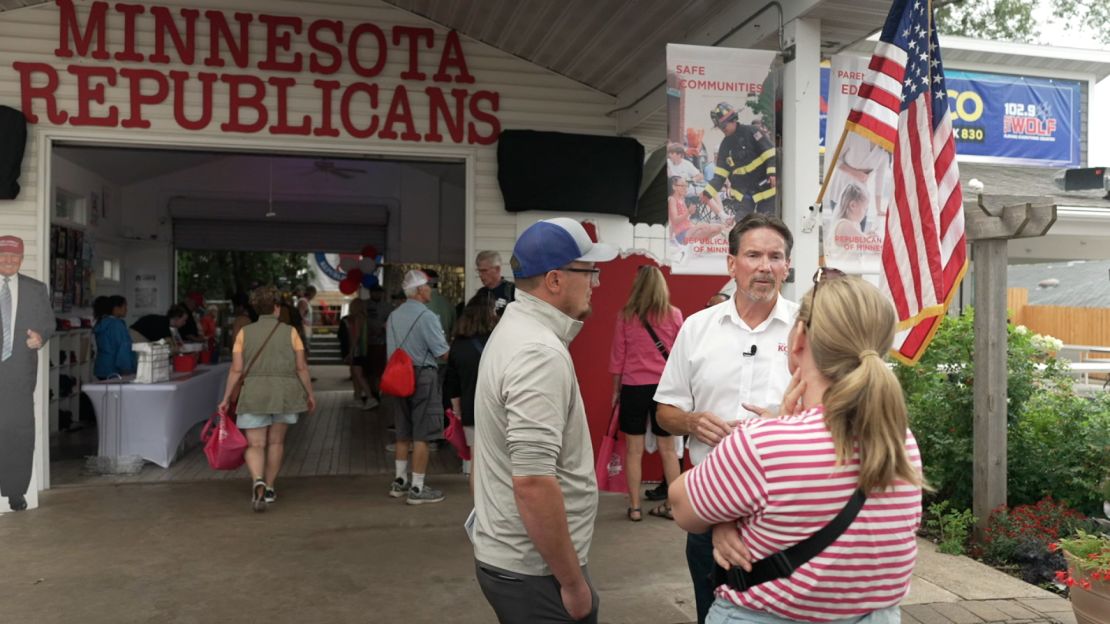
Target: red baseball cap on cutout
x,y
11,244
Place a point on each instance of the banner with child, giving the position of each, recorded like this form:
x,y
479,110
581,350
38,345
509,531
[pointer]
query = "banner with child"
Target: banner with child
x,y
721,155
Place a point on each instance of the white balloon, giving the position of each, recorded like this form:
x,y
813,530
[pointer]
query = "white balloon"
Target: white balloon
x,y
346,263
367,265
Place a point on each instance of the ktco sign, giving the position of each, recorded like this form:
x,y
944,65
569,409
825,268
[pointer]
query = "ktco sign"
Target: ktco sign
x,y
224,85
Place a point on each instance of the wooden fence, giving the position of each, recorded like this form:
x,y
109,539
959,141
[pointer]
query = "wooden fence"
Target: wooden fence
x,y
1075,326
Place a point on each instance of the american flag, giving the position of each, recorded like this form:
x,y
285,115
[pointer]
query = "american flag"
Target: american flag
x,y
903,107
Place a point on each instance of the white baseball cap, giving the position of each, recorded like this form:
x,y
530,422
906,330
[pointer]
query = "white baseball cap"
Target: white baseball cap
x,y
553,243
413,279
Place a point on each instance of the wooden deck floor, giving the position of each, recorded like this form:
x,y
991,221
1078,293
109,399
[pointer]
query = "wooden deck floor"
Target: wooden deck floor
x,y
339,439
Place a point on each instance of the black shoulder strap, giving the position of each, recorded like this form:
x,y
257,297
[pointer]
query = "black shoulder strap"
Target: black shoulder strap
x,y
658,343
783,563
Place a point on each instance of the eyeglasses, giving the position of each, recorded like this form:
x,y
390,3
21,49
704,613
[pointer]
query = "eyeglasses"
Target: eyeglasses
x,y
595,273
822,274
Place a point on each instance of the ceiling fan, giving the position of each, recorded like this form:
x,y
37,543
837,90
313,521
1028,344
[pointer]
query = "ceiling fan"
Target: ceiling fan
x,y
329,167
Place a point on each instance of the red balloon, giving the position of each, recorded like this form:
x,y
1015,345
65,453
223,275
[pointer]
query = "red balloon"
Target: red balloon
x,y
369,251
355,274
348,286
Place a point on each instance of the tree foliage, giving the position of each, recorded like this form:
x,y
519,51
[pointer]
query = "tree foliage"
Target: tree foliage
x,y
220,274
1013,20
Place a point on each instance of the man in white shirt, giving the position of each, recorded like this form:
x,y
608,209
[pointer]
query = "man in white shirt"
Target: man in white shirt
x,y
26,323
730,358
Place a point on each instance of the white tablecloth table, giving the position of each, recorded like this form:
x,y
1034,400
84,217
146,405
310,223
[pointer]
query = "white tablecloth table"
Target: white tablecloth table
x,y
151,420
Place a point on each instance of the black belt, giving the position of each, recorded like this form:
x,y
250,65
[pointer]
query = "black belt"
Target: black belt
x,y
783,563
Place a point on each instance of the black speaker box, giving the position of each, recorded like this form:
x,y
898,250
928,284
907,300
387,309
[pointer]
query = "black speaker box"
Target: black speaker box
x,y
569,172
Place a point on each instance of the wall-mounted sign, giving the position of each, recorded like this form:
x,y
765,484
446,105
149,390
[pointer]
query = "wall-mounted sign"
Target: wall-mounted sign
x,y
231,80
997,118
1015,119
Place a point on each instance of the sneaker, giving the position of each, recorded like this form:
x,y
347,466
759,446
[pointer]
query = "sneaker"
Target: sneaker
x,y
658,493
424,496
399,488
270,496
369,403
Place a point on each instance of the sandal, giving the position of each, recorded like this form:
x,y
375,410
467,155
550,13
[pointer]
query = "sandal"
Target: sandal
x,y
637,511
662,511
258,495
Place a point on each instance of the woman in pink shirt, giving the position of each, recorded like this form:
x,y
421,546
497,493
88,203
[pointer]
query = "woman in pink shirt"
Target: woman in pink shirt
x,y
775,482
636,363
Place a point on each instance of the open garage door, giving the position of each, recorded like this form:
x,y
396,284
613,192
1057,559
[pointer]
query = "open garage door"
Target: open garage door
x,y
212,224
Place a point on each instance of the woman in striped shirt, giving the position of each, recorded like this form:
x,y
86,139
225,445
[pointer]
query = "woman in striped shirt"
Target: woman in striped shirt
x,y
776,481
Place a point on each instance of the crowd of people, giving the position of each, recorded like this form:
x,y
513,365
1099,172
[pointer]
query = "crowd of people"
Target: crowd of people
x,y
804,495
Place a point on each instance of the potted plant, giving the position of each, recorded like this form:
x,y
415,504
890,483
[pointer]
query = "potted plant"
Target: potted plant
x,y
1087,576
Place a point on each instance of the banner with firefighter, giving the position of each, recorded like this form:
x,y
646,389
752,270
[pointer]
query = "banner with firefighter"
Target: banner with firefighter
x,y
721,152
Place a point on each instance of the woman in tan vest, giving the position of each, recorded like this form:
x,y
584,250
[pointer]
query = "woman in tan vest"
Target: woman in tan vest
x,y
276,389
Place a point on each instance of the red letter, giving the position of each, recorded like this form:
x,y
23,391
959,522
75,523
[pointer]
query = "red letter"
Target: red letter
x,y
276,41
415,35
88,93
219,29
237,101
481,115
326,87
352,50
452,57
345,110
164,24
136,76
130,13
314,64
206,82
282,125
439,107
98,12
46,92
400,112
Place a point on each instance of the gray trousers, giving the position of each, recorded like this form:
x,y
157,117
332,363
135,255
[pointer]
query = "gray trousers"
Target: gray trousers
x,y
523,599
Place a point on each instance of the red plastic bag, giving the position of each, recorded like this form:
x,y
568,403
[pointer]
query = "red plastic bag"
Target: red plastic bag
x,y
224,444
456,435
398,379
611,476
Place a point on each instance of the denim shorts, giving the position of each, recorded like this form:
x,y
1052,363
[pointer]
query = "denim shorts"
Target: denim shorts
x,y
724,612
256,421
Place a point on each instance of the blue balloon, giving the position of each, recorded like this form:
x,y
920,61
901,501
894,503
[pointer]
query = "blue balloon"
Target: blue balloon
x,y
369,280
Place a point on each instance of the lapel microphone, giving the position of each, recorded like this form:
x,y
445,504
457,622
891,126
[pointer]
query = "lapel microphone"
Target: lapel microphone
x,y
750,353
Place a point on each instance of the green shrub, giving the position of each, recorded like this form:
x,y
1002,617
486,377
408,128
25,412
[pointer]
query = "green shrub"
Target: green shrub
x,y
1057,441
951,526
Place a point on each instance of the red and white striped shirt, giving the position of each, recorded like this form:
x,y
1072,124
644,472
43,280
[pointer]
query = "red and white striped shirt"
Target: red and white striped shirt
x,y
778,479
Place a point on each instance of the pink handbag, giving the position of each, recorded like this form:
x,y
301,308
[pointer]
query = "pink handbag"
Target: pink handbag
x,y
224,444
610,459
456,436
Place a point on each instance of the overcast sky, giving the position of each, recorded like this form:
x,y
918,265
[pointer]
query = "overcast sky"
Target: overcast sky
x,y
1053,33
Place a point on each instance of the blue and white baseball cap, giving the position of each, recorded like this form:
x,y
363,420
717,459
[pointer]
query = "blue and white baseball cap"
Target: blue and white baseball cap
x,y
554,243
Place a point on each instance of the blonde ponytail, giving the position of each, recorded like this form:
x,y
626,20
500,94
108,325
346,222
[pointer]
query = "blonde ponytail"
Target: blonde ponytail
x,y
864,406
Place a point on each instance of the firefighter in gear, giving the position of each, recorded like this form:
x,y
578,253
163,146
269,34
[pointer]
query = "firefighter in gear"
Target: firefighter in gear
x,y
746,159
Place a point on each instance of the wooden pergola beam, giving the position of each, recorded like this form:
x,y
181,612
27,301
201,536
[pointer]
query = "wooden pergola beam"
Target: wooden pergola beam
x,y
990,223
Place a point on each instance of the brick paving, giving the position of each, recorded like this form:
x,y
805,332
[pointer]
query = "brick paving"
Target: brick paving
x,y
1015,611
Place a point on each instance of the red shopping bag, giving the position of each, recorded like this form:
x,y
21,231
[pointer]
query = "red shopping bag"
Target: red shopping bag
x,y
398,378
611,476
456,436
224,444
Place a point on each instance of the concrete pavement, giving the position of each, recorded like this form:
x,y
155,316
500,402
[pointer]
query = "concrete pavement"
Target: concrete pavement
x,y
337,549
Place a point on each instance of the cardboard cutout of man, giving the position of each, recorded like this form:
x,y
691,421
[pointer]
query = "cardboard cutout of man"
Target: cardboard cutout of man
x,y
26,324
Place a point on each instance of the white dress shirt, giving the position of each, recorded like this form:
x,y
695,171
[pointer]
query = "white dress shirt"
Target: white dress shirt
x,y
709,371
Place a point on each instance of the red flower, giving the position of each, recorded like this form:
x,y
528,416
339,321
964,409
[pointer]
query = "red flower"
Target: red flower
x,y
1061,575
1053,547
1070,581
1085,584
